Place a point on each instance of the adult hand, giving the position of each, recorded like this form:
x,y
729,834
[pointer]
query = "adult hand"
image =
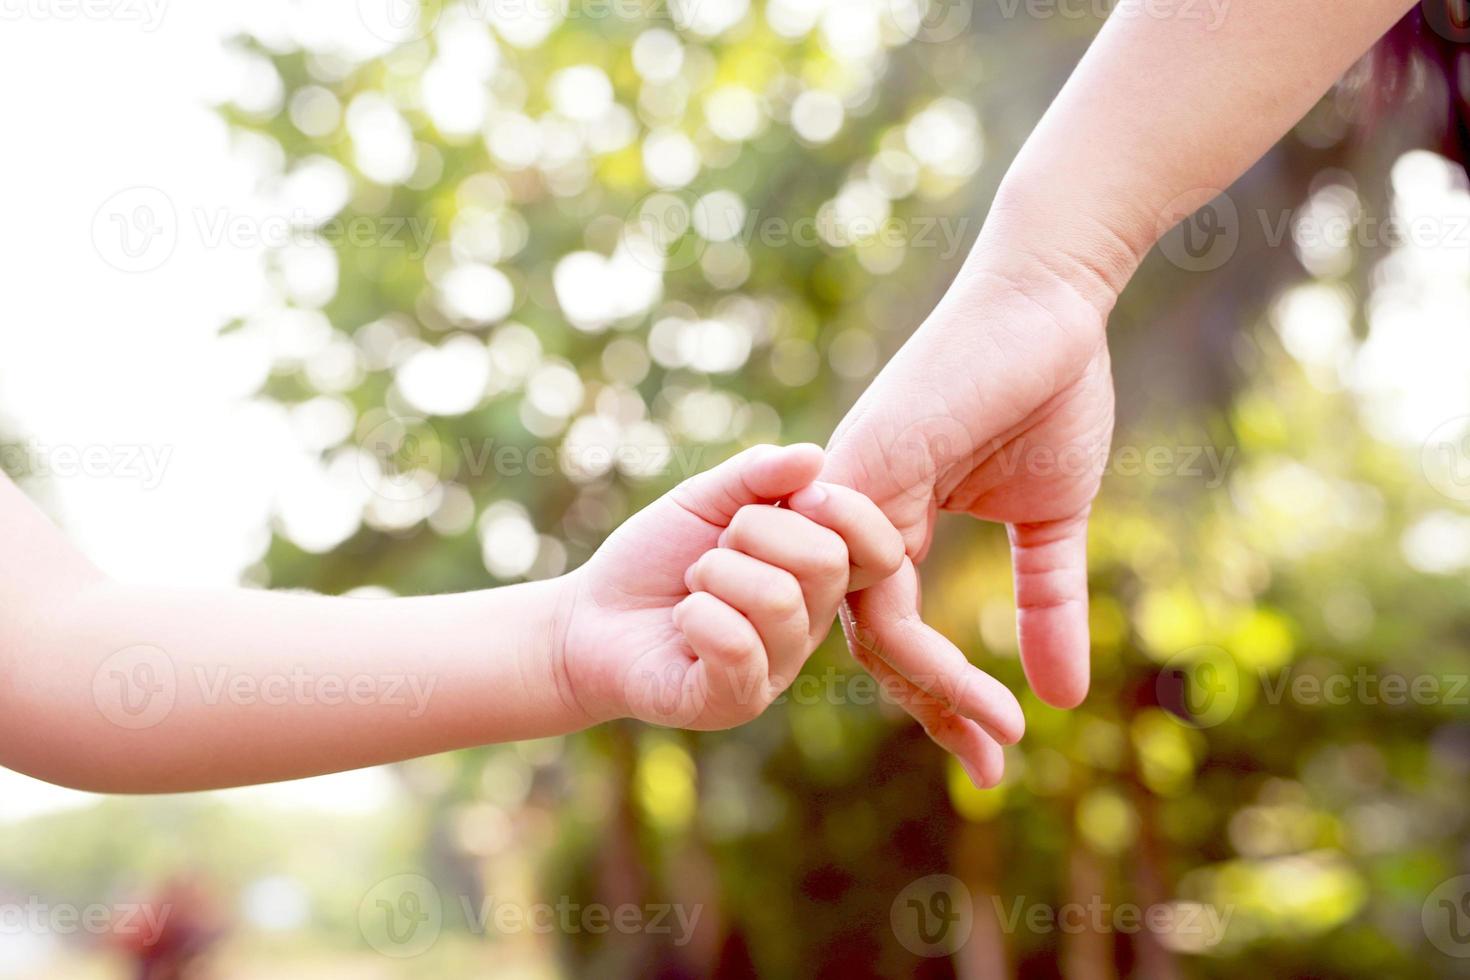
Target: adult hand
x,y
1000,407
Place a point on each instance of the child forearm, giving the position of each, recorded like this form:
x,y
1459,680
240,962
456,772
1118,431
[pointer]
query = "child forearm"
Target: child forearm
x,y
130,689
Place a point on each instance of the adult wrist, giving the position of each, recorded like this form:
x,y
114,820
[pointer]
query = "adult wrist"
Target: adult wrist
x,y
1054,248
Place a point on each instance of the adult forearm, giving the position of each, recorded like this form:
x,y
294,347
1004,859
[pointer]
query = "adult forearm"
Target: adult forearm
x,y
128,689
1164,111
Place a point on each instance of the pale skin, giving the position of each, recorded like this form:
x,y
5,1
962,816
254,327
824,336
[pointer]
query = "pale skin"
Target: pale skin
x,y
698,612
1161,115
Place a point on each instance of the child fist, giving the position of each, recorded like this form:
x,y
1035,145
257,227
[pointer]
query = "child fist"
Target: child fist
x,y
702,608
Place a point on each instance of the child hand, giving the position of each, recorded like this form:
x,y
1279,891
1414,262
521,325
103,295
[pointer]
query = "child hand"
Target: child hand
x,y
702,608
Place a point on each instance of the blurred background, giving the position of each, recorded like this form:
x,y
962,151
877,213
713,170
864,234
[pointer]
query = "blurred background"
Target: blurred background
x,y
387,298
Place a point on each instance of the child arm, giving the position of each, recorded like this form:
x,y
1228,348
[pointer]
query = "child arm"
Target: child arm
x,y
120,688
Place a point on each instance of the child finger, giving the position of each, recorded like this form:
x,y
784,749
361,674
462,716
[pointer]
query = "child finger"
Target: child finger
x,y
875,548
811,552
759,474
769,597
731,658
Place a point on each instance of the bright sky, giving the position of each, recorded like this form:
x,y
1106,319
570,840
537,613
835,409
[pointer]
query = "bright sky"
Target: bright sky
x,y
93,356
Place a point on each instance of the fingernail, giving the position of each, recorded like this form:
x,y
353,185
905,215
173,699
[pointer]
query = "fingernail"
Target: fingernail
x,y
689,578
724,537
974,775
999,736
809,497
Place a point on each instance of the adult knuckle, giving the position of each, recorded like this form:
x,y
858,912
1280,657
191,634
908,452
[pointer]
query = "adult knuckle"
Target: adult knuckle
x,y
890,554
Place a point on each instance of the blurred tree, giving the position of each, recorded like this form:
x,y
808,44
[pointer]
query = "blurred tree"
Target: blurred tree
x,y
575,255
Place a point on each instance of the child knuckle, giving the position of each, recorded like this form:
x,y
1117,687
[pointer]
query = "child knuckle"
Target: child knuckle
x,y
742,526
833,556
787,598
